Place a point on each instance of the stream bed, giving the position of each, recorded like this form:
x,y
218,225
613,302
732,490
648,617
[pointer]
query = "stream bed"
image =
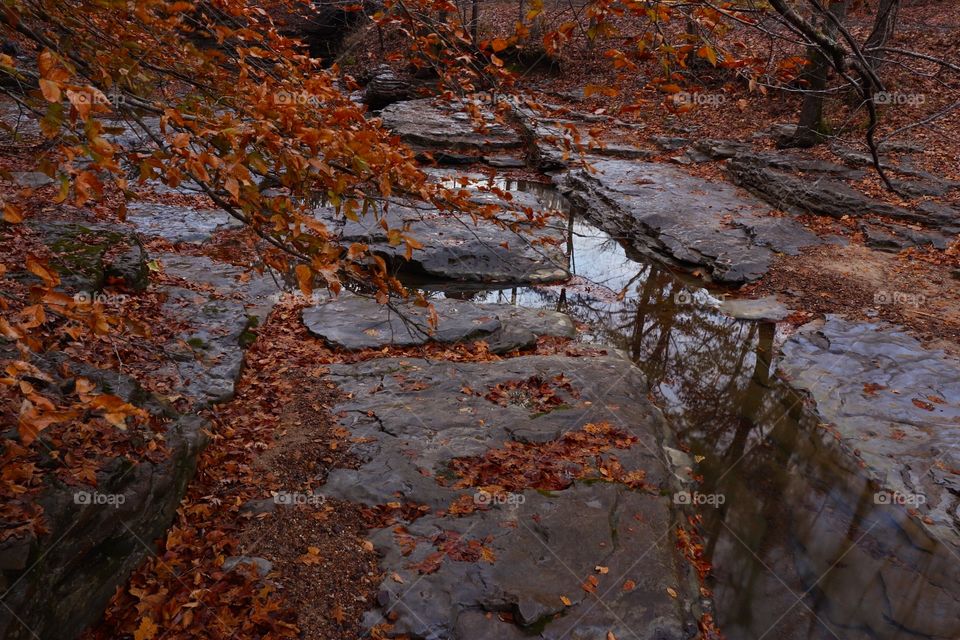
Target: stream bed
x,y
801,545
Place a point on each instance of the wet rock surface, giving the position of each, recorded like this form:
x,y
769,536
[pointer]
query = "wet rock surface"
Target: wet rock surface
x,y
207,354
767,309
353,322
776,178
427,124
54,586
524,553
894,404
686,220
455,248
178,224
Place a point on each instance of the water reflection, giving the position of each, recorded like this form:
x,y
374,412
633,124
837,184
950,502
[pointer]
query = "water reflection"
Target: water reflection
x,y
799,547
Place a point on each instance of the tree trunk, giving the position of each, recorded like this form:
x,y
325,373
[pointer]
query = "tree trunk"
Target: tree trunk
x,y
475,21
811,128
883,29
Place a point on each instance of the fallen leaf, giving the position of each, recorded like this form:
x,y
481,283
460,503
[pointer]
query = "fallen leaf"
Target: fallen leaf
x,y
146,630
312,556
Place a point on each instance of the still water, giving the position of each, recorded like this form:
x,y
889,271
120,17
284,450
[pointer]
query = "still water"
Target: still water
x,y
799,547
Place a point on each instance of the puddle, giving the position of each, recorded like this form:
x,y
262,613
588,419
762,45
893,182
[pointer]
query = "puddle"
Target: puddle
x,y
799,547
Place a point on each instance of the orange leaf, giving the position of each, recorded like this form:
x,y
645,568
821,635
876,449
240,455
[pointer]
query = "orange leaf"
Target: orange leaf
x,y
12,214
146,631
304,279
50,90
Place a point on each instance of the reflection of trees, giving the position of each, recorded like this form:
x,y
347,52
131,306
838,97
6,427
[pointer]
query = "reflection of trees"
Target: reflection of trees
x,y
790,497
794,501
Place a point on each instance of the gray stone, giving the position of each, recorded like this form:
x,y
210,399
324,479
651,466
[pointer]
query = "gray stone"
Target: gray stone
x,y
410,418
56,585
261,565
683,219
720,149
505,162
177,224
353,322
767,309
905,427
31,179
817,193
385,88
457,248
668,143
91,255
207,354
622,151
430,124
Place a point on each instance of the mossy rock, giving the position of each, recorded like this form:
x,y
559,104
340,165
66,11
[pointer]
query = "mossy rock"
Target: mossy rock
x,y
89,257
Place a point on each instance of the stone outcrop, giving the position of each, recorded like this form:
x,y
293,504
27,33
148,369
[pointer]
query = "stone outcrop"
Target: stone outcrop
x,y
893,404
523,558
55,585
685,220
353,322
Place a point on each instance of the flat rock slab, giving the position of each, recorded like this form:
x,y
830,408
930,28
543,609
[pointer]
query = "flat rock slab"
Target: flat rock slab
x,y
895,404
177,224
353,322
447,127
207,354
814,186
767,309
457,248
685,219
410,418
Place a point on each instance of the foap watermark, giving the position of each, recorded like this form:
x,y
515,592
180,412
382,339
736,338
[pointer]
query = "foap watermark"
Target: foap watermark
x,y
903,99
295,97
699,99
899,297
316,297
683,298
290,498
86,297
903,499
96,498
485,498
96,98
699,499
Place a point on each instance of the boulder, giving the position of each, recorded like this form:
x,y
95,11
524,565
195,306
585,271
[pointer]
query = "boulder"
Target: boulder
x,y
55,585
430,124
528,552
385,88
352,322
685,220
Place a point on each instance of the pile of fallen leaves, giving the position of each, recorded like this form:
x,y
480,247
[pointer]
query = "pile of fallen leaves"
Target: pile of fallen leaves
x,y
538,395
549,466
950,257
